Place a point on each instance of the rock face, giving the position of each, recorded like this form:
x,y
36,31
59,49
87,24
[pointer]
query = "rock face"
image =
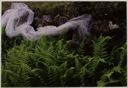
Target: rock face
x,y
59,20
46,20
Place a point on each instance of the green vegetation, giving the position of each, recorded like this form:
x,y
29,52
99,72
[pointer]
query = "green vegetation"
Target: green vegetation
x,y
51,62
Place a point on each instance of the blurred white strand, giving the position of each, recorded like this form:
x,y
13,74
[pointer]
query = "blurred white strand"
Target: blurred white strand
x,y
14,24
113,26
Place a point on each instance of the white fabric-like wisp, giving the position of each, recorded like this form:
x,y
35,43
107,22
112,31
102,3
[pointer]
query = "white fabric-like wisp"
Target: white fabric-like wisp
x,y
113,26
11,19
15,26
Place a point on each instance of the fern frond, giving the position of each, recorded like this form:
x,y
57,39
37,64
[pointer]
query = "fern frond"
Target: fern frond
x,y
99,46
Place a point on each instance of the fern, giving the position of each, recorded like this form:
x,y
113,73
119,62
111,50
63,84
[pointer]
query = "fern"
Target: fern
x,y
99,46
53,76
109,76
50,62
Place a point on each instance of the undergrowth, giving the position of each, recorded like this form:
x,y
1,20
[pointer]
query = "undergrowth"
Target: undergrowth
x,y
51,62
